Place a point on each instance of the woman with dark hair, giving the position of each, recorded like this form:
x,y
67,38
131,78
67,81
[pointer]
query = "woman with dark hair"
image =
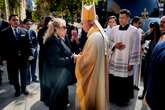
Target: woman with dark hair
x,y
156,89
153,36
74,40
44,92
43,29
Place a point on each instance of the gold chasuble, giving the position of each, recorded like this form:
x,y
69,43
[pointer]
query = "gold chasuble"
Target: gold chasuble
x,y
91,89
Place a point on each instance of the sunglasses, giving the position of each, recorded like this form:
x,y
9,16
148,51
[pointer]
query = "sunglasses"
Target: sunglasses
x,y
64,27
162,22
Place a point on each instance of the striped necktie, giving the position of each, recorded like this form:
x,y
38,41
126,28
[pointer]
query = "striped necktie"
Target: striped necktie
x,y
16,33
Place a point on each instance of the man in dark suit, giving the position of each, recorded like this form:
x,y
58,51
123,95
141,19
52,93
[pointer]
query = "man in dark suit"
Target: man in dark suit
x,y
18,51
3,25
1,70
32,64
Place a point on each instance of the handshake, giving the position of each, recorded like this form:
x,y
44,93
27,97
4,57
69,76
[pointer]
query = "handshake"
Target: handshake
x,y
75,56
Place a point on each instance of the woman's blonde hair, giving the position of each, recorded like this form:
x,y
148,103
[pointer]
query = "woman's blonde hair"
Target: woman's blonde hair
x,y
52,26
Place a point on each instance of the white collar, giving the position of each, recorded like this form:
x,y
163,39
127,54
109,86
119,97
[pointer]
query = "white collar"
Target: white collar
x,y
13,28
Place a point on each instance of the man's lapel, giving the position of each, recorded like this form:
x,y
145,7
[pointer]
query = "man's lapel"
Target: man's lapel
x,y
12,34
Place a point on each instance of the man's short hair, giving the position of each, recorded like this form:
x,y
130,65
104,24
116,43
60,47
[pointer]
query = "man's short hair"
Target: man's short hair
x,y
135,19
26,20
162,18
112,17
125,11
13,15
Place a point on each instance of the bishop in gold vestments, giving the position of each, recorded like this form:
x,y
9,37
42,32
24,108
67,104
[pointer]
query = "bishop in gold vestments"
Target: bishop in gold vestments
x,y
90,73
91,88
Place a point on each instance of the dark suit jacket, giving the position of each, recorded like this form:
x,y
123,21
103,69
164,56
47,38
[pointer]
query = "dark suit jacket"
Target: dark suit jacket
x,y
34,40
57,62
82,39
156,89
40,41
12,47
41,33
3,25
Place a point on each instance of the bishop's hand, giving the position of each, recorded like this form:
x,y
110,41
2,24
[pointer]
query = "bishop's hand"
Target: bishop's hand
x,y
120,45
75,56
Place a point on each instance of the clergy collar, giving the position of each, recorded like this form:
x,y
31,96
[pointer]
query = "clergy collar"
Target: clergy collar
x,y
123,27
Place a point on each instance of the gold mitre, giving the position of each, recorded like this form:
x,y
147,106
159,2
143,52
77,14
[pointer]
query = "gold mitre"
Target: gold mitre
x,y
88,12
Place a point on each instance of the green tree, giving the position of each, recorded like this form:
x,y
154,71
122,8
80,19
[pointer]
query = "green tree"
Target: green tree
x,y
69,8
2,9
89,1
42,8
14,6
66,8
1,3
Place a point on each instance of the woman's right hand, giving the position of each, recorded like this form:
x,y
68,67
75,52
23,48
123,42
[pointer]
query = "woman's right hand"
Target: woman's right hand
x,y
75,56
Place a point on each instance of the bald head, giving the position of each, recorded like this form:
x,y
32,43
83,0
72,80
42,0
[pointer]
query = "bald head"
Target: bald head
x,y
162,18
162,24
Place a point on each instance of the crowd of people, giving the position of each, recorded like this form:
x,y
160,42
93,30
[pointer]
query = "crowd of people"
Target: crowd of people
x,y
105,64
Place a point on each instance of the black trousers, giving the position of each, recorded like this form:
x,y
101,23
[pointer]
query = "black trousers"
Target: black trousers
x,y
42,87
1,77
32,70
0,71
145,73
120,89
17,67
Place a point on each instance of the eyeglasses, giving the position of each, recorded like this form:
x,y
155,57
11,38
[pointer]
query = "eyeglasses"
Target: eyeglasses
x,y
64,27
162,22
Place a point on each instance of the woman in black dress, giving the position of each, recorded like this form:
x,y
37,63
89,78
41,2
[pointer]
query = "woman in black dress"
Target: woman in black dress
x,y
57,64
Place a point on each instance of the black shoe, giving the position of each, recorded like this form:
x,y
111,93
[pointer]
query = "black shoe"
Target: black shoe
x,y
17,94
141,97
122,104
25,92
136,88
28,83
11,82
37,81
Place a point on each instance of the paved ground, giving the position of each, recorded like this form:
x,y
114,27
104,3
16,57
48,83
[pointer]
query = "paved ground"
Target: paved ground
x,y
31,102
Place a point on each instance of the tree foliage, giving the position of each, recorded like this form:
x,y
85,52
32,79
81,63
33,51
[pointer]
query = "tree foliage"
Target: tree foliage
x,y
91,1
63,8
2,3
14,4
